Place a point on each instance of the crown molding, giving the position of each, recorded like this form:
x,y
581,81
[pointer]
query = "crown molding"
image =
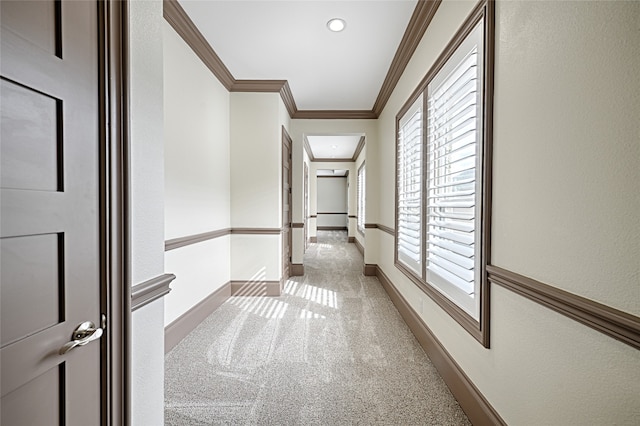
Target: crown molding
x,y
420,20
358,149
334,114
307,147
287,98
422,15
175,15
332,160
271,86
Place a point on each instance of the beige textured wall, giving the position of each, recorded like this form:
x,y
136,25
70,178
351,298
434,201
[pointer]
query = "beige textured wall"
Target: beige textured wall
x,y
255,160
565,206
567,147
197,175
146,134
256,173
147,219
196,123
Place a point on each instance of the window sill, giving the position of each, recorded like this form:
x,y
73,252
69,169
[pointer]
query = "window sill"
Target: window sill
x,y
478,329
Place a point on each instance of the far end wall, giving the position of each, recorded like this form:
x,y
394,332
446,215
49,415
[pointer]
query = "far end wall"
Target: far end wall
x,y
332,202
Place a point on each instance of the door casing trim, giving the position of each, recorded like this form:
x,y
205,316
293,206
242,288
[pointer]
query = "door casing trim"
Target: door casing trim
x,y
113,26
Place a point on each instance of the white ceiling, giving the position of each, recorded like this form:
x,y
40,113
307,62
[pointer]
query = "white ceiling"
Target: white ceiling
x,y
289,40
329,172
334,146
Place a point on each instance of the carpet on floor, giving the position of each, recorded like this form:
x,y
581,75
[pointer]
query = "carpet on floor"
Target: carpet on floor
x,y
332,350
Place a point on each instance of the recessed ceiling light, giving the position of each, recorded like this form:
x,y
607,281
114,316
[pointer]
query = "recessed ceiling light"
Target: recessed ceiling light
x,y
334,146
336,25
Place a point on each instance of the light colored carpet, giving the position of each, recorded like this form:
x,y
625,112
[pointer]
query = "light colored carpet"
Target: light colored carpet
x,y
332,350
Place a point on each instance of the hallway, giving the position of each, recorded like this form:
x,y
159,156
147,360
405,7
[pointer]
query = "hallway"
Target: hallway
x,y
332,350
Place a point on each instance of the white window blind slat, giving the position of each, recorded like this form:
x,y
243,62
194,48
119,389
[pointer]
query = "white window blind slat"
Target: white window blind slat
x,y
464,274
456,110
452,104
466,286
442,138
460,183
455,153
461,249
461,142
453,225
458,237
464,262
447,192
451,215
441,203
459,77
455,175
454,167
406,217
408,243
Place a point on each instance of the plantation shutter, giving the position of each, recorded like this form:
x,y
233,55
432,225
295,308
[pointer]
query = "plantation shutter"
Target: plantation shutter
x,y
409,169
452,184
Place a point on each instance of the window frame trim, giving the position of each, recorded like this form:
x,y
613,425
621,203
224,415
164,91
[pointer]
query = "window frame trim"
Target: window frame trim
x,y
478,329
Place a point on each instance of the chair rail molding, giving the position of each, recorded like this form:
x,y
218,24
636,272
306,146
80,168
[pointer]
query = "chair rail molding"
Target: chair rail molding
x,y
610,321
150,290
175,243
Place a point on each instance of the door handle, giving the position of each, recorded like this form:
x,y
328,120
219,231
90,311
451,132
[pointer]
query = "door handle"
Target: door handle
x,y
85,333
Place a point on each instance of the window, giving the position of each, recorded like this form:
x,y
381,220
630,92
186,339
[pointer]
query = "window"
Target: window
x,y
409,203
443,172
361,197
454,99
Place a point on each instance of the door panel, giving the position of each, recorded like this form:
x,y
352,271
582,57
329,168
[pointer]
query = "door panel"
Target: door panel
x,y
286,204
38,261
30,136
45,389
306,206
35,21
49,226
